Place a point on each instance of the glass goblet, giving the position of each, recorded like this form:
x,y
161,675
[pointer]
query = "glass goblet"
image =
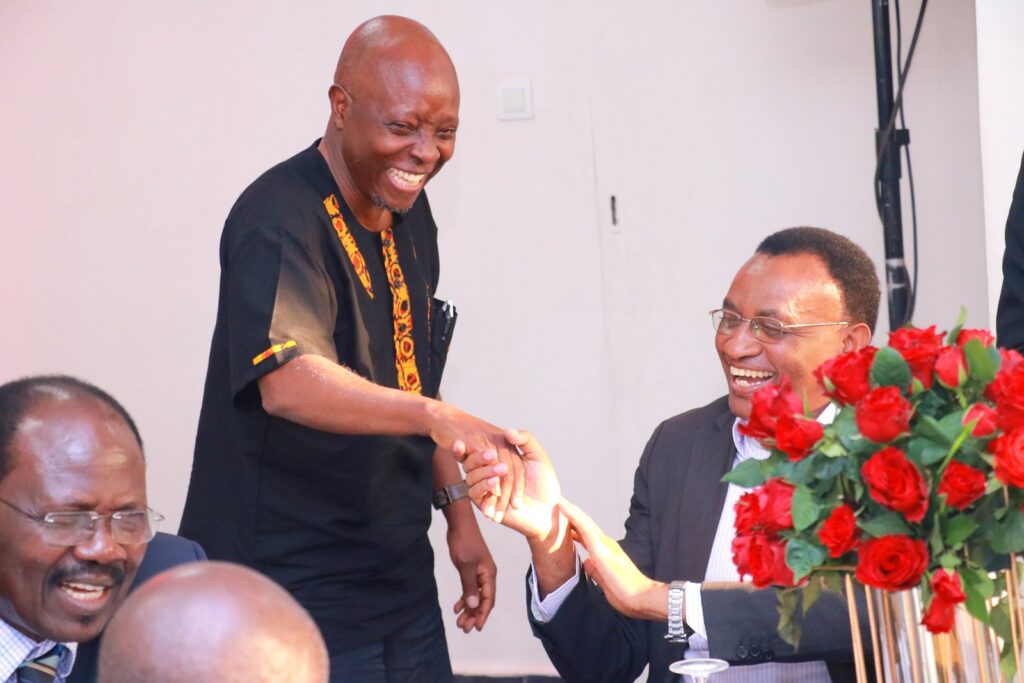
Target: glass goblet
x,y
699,669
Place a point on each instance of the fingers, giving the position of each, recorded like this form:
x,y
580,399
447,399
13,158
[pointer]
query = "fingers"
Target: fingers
x,y
486,578
470,597
584,527
459,450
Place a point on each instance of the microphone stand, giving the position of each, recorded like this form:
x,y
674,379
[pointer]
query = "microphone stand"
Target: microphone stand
x,y
888,173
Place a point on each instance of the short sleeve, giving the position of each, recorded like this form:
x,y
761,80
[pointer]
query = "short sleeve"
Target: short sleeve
x,y
280,302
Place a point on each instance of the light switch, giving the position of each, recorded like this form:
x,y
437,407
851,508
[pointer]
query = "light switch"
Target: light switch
x,y
514,100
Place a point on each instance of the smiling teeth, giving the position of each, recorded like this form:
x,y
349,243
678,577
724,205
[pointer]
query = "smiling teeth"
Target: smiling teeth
x,y
84,591
410,180
753,374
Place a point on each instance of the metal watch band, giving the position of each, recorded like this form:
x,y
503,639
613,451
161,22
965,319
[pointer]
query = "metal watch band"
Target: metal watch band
x,y
450,494
676,613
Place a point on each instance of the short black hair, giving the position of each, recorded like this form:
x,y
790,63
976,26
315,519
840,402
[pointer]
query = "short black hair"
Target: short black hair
x,y
19,396
848,264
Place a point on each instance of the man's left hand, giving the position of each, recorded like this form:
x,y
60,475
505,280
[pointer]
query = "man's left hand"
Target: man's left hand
x,y
477,571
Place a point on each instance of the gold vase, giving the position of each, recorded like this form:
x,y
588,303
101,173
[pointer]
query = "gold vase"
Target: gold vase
x,y
906,652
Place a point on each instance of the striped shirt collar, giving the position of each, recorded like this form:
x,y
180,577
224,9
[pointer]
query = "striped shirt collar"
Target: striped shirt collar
x,y
16,647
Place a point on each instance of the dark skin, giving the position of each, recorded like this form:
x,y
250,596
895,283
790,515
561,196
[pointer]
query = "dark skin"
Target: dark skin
x,y
196,621
69,453
394,115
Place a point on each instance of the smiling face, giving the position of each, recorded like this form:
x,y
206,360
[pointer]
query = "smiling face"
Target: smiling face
x,y
793,288
394,131
71,453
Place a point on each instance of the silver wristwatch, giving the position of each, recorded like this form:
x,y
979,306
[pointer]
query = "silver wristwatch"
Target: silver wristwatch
x,y
449,494
676,613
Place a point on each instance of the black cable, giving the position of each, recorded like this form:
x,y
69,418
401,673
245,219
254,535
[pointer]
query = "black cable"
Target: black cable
x,y
912,299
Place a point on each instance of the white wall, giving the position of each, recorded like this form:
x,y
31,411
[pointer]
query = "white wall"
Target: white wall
x,y
1001,103
128,129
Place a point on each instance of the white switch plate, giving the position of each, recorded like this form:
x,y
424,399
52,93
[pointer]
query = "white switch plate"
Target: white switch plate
x,y
515,100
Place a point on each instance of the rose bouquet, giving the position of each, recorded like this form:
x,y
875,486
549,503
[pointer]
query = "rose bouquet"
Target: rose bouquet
x,y
917,482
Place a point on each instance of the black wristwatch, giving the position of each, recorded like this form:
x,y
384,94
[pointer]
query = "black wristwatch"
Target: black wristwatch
x,y
449,494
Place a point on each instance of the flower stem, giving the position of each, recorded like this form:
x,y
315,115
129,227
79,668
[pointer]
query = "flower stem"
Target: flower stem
x,y
964,433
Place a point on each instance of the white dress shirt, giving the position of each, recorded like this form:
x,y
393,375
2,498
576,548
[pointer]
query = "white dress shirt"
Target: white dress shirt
x,y
720,568
16,647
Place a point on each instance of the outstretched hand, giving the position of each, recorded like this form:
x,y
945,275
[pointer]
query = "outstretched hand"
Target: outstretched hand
x,y
626,588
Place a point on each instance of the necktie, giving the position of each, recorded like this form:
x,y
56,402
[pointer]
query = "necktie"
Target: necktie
x,y
42,669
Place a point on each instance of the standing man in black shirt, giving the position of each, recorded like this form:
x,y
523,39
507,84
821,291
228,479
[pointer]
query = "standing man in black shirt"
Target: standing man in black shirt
x,y
320,440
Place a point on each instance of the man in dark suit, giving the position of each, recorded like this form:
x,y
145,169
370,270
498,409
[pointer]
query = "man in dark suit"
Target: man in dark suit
x,y
1010,314
805,296
164,551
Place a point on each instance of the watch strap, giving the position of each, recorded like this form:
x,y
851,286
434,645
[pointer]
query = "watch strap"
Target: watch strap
x,y
449,494
676,613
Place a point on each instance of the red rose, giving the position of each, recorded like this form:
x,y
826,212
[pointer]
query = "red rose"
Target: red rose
x,y
883,414
896,483
984,418
946,595
1009,452
839,533
763,558
962,485
892,563
849,374
748,514
919,348
951,367
984,336
767,405
776,500
1007,391
796,436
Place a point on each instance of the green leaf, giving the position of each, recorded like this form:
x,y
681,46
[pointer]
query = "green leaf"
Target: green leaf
x,y
956,530
887,524
925,451
789,626
890,370
993,485
833,582
1007,536
805,509
981,366
831,448
955,331
811,593
932,429
978,588
747,474
949,561
802,557
829,468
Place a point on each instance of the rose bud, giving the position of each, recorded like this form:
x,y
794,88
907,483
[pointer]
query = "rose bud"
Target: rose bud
x,y
839,533
796,436
883,414
766,406
951,367
896,483
984,336
961,484
919,348
849,373
1009,452
984,419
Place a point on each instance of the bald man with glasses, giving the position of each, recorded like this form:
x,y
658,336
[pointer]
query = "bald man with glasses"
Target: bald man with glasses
x,y
669,589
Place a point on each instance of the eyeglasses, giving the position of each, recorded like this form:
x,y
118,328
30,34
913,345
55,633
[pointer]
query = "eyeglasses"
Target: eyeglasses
x,y
127,527
764,329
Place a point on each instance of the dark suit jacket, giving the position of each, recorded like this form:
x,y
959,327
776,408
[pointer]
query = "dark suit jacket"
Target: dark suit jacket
x,y
1010,314
163,552
677,501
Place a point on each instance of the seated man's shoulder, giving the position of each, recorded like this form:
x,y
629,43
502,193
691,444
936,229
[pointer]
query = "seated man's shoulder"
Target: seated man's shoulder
x,y
165,551
714,415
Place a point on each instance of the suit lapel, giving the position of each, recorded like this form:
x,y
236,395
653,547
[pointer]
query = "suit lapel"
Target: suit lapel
x,y
703,493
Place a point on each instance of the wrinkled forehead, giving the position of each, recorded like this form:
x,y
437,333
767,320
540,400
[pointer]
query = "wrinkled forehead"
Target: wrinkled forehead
x,y
76,448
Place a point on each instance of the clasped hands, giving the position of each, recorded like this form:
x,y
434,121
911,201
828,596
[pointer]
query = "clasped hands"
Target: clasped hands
x,y
550,523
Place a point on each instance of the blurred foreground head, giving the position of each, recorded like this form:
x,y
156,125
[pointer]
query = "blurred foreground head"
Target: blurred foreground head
x,y
212,621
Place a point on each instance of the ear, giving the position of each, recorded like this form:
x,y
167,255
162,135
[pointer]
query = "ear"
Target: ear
x,y
339,106
857,337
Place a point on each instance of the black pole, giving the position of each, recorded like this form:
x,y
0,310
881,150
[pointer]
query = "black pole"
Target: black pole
x,y
889,172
